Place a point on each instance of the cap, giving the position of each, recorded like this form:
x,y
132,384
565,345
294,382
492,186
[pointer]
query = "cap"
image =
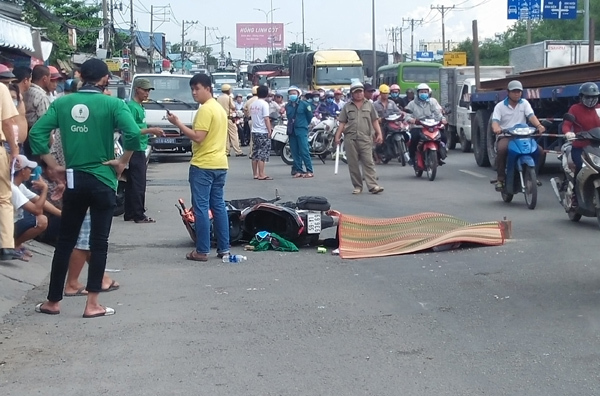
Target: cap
x,y
142,83
357,86
5,72
92,70
515,85
337,92
368,87
23,162
225,88
54,73
255,90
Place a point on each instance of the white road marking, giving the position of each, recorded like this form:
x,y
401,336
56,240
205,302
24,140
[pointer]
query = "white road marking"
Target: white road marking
x,y
468,172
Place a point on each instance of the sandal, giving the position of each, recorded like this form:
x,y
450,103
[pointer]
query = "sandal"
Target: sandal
x,y
265,178
298,175
308,175
195,256
145,220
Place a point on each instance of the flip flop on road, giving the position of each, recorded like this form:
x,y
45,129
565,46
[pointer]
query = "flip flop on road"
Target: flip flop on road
x,y
107,312
112,287
195,256
265,178
145,220
39,309
80,292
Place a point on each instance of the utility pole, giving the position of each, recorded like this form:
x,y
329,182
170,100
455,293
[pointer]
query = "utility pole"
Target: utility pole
x,y
132,58
303,44
222,41
152,36
183,30
586,22
106,25
412,34
443,10
111,43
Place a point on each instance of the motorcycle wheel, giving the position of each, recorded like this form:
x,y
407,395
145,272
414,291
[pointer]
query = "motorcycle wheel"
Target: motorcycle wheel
x,y
418,172
431,164
506,197
597,197
401,149
530,180
573,216
286,154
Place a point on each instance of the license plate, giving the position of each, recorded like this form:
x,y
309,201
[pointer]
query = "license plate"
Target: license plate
x,y
165,140
313,221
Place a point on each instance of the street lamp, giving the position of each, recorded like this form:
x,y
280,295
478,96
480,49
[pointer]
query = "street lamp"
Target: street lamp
x,y
267,13
374,47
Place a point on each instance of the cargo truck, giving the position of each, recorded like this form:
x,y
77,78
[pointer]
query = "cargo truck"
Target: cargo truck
x,y
550,53
330,69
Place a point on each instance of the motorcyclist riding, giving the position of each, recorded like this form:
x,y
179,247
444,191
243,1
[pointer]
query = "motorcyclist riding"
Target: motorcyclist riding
x,y
384,106
422,107
587,117
511,111
338,98
395,95
328,106
410,96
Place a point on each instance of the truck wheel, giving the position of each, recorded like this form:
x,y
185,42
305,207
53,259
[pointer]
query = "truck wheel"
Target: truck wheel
x,y
491,145
452,139
465,145
478,137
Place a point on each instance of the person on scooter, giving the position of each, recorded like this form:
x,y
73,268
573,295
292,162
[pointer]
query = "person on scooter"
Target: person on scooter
x,y
410,96
328,106
511,111
587,118
422,107
299,114
338,98
395,95
384,106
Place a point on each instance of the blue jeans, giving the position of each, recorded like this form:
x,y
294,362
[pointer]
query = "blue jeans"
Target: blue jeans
x,y
300,151
207,193
576,157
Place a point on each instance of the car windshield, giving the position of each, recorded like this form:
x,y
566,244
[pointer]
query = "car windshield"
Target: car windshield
x,y
221,81
242,91
168,87
279,83
419,74
339,75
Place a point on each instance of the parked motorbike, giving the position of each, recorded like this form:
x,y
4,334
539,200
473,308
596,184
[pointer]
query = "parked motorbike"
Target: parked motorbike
x,y
397,136
523,156
321,141
587,188
430,149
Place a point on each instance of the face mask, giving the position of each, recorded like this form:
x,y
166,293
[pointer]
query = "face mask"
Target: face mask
x,y
394,94
424,96
16,102
293,98
329,100
316,100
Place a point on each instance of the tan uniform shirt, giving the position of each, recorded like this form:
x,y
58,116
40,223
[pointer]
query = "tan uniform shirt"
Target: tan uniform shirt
x,y
358,121
227,102
248,104
8,109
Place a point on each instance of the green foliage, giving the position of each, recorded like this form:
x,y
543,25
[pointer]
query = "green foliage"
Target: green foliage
x,y
176,48
494,51
73,12
283,56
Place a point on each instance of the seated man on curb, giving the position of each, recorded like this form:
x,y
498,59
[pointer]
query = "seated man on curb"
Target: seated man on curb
x,y
29,207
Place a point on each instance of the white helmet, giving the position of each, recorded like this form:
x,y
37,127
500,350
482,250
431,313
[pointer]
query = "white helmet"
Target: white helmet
x,y
423,86
356,85
294,88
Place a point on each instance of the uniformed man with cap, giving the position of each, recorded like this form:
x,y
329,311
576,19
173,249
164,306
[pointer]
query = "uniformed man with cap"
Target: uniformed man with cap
x,y
359,122
86,120
233,140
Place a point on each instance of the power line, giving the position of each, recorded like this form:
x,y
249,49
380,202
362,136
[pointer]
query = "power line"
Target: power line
x,y
443,10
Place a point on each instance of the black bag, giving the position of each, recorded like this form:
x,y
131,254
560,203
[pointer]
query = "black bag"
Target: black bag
x,y
290,124
313,203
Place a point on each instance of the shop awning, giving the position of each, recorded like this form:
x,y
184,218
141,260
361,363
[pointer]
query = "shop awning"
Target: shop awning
x,y
15,34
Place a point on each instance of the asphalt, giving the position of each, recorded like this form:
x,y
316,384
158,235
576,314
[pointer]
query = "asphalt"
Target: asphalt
x,y
519,319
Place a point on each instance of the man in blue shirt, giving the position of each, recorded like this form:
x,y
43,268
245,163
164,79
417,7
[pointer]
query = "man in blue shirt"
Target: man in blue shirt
x,y
328,106
299,114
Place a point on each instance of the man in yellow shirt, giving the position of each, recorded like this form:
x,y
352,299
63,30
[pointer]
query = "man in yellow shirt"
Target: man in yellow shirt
x,y
208,168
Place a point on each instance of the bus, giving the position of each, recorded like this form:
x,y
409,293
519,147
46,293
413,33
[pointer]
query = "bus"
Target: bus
x,y
410,74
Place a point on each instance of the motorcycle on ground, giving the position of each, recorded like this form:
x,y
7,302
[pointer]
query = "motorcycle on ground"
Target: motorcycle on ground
x,y
321,141
397,136
521,162
587,187
430,149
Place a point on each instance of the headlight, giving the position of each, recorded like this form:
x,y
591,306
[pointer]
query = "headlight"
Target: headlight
x,y
595,159
523,131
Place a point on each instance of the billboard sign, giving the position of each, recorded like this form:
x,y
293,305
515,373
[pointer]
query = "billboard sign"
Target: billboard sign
x,y
259,35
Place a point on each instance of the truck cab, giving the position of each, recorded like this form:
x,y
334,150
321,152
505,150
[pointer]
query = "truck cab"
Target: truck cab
x,y
171,92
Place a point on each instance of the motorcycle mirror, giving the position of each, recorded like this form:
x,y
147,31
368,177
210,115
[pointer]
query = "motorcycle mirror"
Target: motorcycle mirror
x,y
569,117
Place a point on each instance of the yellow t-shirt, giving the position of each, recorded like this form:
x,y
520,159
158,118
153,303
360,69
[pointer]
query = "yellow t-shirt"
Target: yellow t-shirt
x,y
210,154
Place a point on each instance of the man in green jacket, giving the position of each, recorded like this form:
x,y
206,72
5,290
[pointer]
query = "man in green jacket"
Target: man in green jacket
x,y
87,120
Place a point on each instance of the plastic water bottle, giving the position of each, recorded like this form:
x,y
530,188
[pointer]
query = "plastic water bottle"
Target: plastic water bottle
x,y
234,258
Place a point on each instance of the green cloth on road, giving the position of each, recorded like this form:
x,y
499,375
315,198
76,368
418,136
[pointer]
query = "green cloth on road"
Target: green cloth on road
x,y
274,242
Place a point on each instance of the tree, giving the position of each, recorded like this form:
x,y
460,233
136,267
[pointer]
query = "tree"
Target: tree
x,y
176,48
283,56
55,16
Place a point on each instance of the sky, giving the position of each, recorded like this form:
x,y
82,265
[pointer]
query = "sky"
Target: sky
x,y
328,23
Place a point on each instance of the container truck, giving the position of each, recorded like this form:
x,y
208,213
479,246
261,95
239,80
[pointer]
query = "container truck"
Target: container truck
x,y
550,53
330,69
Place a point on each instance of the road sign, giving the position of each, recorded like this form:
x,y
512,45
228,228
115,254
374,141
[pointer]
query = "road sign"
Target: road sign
x,y
425,55
524,9
560,9
455,59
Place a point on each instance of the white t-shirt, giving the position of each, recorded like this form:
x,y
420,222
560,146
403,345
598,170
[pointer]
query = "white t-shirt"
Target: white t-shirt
x,y
20,196
508,117
259,110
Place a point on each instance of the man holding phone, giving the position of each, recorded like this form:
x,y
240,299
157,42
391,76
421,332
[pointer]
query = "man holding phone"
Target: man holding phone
x,y
135,193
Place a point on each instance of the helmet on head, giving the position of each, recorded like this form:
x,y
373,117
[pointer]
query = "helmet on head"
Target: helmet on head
x,y
255,90
5,72
588,94
294,88
225,88
338,92
410,90
384,89
422,87
330,94
394,87
515,85
355,86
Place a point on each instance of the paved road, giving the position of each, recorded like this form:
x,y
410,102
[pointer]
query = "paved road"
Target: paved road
x,y
520,319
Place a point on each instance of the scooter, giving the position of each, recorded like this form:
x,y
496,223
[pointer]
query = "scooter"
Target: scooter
x,y
523,156
587,188
430,149
397,136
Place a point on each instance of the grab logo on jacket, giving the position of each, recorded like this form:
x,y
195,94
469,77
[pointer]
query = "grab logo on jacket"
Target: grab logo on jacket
x,y
80,113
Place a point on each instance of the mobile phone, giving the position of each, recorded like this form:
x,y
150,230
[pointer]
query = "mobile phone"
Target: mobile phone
x,y
168,112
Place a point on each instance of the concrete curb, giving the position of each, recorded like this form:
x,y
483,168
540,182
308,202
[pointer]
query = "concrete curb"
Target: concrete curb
x,y
18,277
